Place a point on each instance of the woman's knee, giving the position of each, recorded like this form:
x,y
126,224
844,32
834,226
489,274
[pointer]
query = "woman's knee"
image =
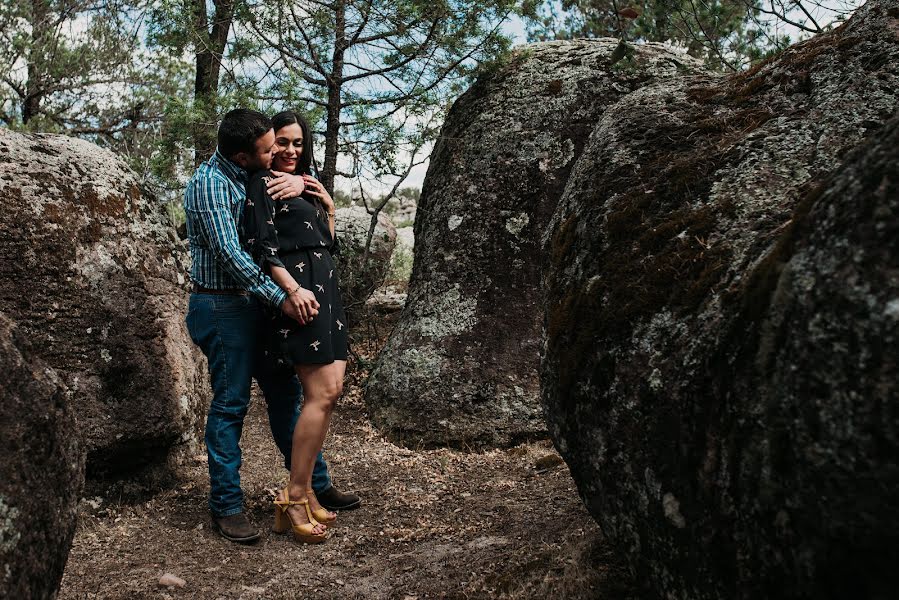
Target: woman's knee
x,y
326,394
332,393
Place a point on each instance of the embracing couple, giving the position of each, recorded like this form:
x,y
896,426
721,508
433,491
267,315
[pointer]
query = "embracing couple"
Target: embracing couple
x,y
266,305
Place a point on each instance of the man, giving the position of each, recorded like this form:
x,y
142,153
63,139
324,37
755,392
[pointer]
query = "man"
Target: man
x,y
224,313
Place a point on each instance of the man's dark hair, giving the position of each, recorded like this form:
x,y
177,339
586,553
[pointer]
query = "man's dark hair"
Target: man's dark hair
x,y
239,130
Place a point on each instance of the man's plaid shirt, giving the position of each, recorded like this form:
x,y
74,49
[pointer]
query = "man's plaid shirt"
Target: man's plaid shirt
x,y
213,205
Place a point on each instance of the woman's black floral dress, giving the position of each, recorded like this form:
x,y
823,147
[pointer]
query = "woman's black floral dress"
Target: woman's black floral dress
x,y
294,234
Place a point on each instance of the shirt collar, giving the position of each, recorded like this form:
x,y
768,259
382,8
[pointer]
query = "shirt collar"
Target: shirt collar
x,y
231,169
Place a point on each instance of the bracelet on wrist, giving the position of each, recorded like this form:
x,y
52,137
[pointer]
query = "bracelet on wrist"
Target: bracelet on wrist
x,y
294,290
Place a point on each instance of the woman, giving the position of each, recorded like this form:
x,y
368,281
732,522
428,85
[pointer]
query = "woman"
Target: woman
x,y
292,240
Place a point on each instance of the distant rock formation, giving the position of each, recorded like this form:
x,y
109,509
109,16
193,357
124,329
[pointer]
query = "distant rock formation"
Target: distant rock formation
x,y
95,281
360,277
391,296
723,324
41,471
461,366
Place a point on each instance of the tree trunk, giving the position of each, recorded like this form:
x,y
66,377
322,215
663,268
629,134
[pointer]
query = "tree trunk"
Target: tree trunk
x,y
663,10
335,85
37,56
209,53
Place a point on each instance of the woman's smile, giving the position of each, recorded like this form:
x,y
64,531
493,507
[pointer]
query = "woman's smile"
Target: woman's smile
x,y
290,140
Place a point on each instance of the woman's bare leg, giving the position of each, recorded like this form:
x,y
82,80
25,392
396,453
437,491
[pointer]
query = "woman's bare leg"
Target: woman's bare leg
x,y
332,379
322,385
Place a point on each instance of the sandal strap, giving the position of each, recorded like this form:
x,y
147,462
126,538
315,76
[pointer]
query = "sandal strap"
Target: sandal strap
x,y
284,504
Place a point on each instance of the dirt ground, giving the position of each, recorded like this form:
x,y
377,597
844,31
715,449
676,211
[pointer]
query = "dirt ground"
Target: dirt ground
x,y
433,524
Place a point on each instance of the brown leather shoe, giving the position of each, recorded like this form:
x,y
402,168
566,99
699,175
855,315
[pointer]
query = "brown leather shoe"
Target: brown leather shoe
x,y
334,499
236,528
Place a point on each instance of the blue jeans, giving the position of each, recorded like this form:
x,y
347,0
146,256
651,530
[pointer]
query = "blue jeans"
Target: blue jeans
x,y
227,329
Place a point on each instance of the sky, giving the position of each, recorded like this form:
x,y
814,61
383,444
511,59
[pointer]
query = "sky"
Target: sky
x,y
515,29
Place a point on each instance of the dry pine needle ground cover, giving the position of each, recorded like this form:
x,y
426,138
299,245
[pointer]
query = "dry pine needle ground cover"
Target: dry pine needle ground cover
x,y
433,524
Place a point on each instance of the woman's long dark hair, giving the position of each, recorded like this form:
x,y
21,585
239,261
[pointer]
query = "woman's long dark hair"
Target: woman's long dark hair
x,y
306,161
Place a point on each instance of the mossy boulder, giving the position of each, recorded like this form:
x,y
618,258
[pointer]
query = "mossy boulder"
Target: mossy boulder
x,y
722,320
41,470
96,279
361,273
461,366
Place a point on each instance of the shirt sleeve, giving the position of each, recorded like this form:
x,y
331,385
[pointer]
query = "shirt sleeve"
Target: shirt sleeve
x,y
212,212
259,226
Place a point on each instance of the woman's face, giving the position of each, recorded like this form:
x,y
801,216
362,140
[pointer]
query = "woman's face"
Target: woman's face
x,y
289,140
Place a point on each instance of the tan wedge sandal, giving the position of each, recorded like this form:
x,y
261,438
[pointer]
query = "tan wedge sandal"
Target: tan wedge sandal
x,y
321,515
304,532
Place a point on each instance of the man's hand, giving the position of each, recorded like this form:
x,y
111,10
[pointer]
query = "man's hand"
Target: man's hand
x,y
285,185
301,306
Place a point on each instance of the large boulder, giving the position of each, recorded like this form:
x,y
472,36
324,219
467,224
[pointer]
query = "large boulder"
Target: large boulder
x,y
461,366
723,324
96,279
41,471
362,272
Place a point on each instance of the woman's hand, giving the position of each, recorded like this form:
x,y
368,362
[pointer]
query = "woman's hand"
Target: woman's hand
x,y
315,188
300,305
285,185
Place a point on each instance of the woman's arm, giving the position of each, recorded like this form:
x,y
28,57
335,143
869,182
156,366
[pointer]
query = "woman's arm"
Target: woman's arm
x,y
259,226
316,189
303,298
262,237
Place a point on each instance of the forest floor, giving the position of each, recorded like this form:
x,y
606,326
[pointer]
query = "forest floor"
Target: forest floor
x,y
433,524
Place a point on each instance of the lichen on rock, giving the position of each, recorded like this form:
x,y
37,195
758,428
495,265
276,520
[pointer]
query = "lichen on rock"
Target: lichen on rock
x,y
495,176
95,275
41,470
721,262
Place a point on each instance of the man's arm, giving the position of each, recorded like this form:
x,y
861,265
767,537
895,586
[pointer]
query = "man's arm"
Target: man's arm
x,y
285,185
210,207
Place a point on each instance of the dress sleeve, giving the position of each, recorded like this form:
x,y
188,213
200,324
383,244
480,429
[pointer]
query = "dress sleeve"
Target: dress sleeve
x,y
259,225
334,246
335,243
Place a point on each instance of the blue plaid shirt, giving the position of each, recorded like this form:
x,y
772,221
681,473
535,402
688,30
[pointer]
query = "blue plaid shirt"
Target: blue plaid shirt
x,y
213,205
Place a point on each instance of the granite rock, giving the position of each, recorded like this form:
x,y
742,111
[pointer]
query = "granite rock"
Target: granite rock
x,y
95,279
41,470
360,276
722,323
461,366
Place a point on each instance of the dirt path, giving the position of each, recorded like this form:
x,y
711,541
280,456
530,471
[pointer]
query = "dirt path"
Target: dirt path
x,y
434,524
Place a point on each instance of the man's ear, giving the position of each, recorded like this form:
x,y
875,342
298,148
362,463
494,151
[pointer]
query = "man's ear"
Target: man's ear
x,y
241,158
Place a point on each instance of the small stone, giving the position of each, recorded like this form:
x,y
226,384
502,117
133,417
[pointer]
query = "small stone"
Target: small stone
x,y
169,580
